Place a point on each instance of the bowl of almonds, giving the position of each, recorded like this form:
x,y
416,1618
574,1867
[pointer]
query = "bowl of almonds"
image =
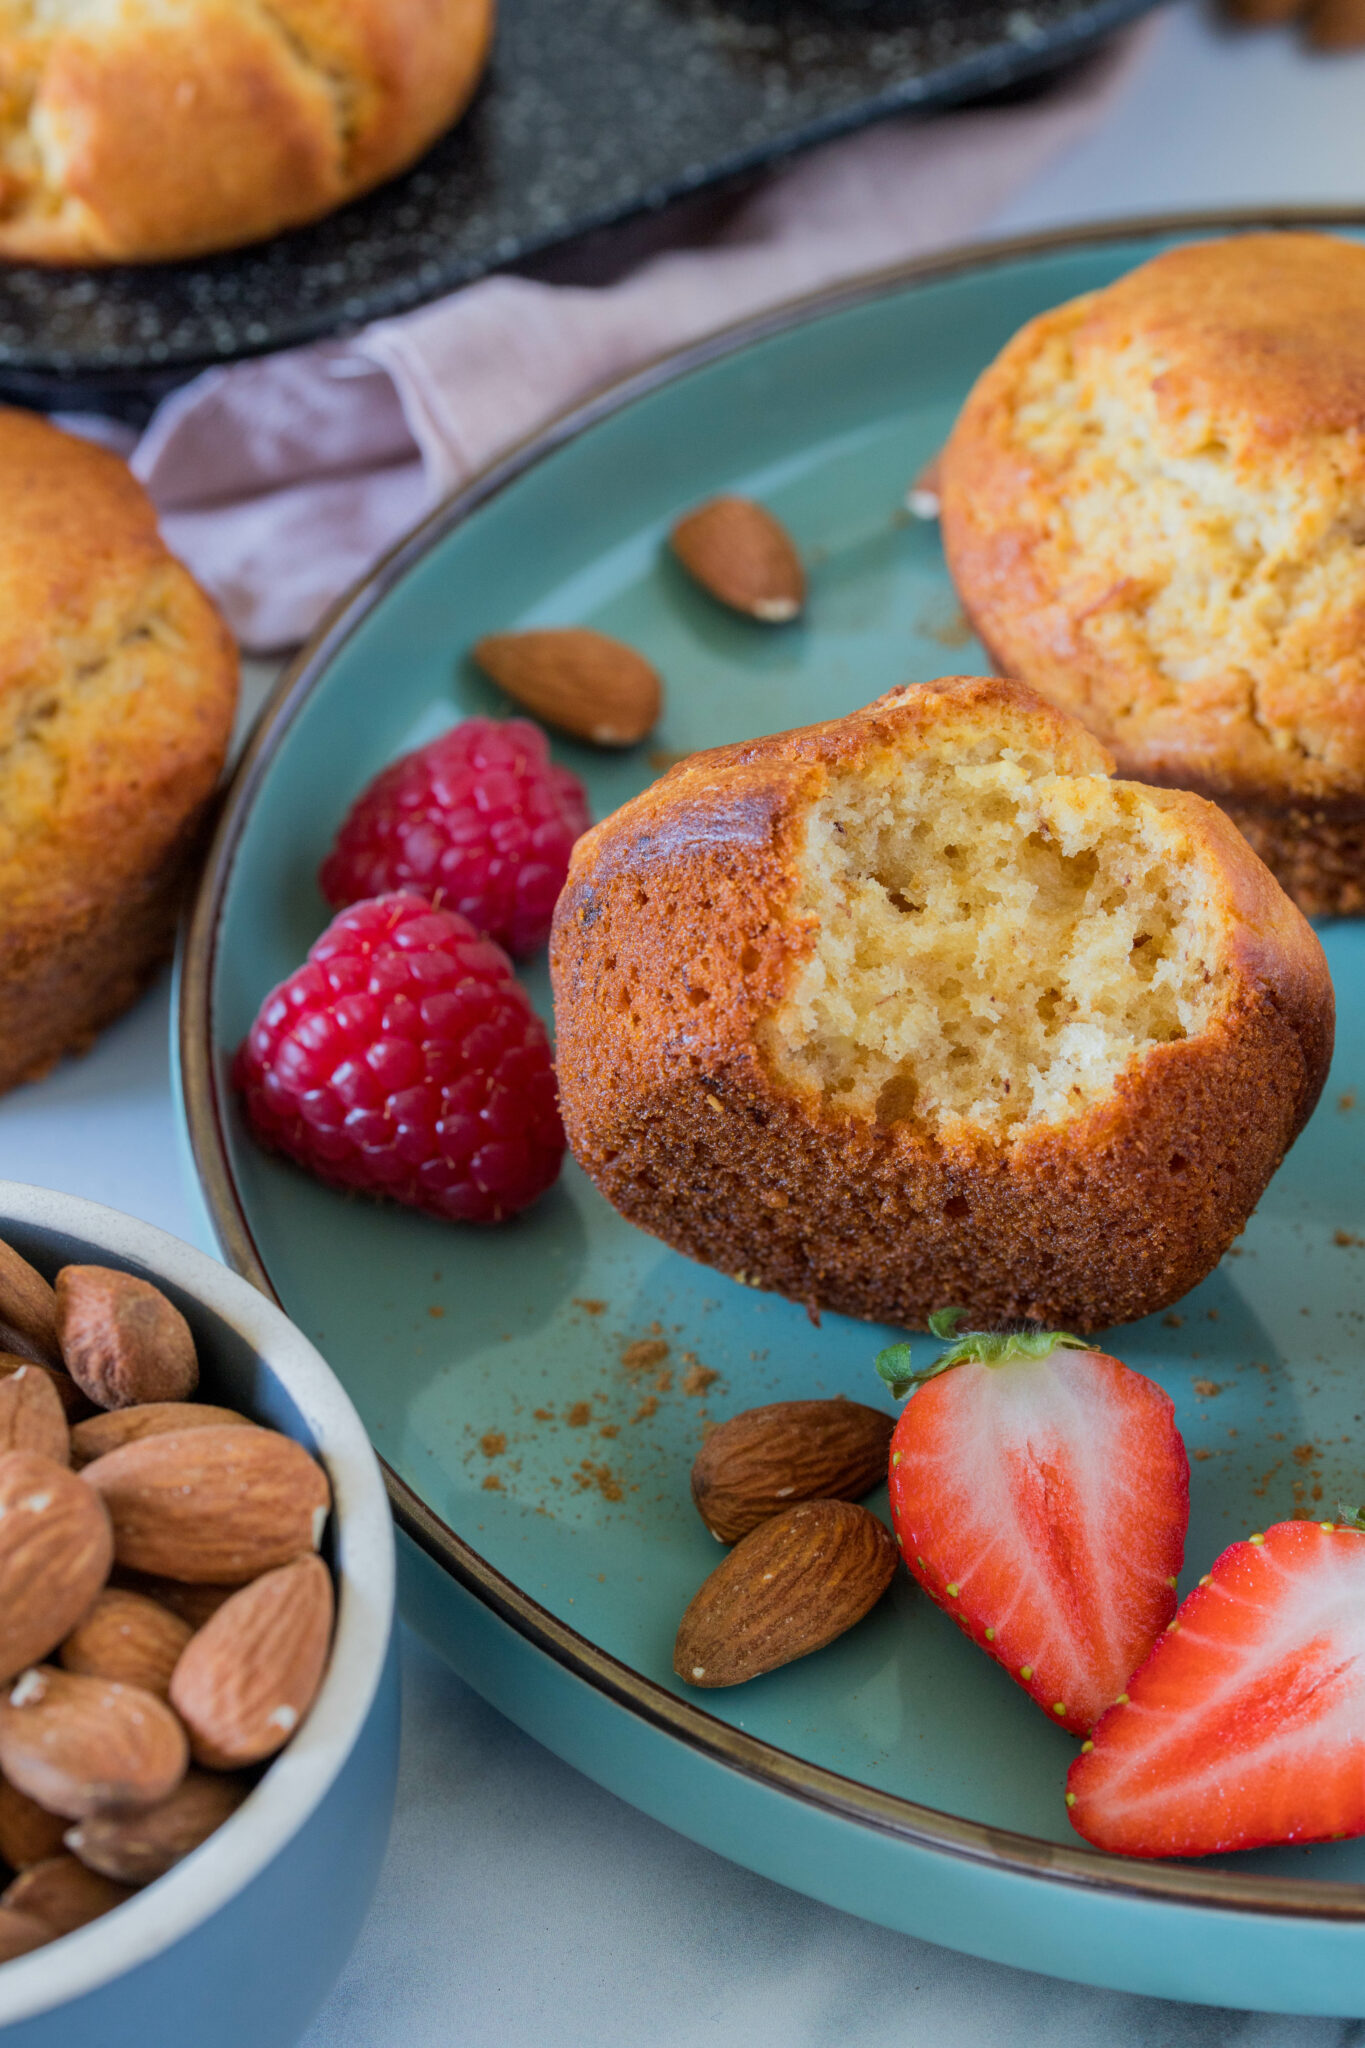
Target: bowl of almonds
x,y
198,1693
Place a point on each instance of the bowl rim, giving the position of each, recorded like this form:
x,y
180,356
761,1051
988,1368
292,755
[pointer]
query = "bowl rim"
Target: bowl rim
x,y
154,1919
202,1087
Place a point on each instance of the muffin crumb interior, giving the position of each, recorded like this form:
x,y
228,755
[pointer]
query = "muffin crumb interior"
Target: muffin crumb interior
x,y
994,942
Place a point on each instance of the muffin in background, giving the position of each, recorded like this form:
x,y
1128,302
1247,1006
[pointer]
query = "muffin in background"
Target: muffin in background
x,y
167,128
118,684
1153,507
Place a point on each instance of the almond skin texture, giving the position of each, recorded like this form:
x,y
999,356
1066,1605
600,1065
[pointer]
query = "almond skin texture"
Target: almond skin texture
x,y
84,1745
134,1848
28,1306
32,1417
28,1832
744,557
250,1675
63,1894
20,1932
583,682
122,1341
75,1405
100,1434
768,1459
789,1587
194,1604
212,1506
55,1555
130,1638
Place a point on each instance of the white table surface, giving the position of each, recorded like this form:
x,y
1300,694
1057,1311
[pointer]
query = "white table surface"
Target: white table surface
x,y
520,1904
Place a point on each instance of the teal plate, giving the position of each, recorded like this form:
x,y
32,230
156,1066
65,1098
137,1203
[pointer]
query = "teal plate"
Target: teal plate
x,y
539,1390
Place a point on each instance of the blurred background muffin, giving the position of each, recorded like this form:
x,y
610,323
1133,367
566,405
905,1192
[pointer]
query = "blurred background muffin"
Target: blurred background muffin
x,y
153,129
1153,507
118,684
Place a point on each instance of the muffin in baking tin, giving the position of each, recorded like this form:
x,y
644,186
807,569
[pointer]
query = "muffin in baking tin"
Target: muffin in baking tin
x,y
118,683
1153,507
920,1008
137,130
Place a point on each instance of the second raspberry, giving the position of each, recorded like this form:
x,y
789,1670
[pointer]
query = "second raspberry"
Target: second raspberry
x,y
481,815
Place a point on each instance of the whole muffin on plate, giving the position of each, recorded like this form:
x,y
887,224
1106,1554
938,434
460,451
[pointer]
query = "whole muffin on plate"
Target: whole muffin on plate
x,y
149,129
118,683
920,1009
1153,506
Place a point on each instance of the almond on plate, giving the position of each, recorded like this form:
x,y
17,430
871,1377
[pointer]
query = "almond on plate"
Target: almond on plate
x,y
63,1893
767,1459
134,1848
99,1434
583,682
128,1637
212,1506
28,1307
789,1587
56,1546
250,1675
744,557
84,1745
121,1340
28,1832
32,1417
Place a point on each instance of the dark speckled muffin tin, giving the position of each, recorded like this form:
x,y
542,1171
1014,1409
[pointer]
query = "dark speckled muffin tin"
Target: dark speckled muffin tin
x,y
592,110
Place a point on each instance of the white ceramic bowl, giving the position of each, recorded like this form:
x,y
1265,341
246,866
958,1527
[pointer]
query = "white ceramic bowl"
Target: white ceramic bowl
x,y
237,1946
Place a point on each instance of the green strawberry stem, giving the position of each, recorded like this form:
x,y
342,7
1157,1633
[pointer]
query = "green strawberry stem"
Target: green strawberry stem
x,y
1350,1518
972,1347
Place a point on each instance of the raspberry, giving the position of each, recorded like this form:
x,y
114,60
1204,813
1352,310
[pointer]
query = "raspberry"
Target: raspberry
x,y
481,815
405,1060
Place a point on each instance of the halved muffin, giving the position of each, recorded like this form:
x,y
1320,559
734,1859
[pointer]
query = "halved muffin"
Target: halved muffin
x,y
920,1009
1153,507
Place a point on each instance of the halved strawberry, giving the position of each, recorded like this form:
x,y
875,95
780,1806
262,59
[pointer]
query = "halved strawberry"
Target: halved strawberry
x,y
1246,1725
1040,1495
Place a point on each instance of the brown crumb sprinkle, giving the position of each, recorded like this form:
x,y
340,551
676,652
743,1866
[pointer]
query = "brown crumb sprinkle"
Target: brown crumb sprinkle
x,y
1206,1389
579,1414
1304,1454
590,1305
1173,1321
493,1443
492,1484
1200,1456
698,1377
644,1353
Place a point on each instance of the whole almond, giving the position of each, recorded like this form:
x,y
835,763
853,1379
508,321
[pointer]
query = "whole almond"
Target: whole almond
x,y
63,1893
75,1405
28,1832
84,1745
767,1459
194,1604
1337,24
56,1546
744,557
28,1306
20,1932
130,1638
122,1341
137,1847
100,1434
31,1415
583,682
212,1506
250,1675
789,1587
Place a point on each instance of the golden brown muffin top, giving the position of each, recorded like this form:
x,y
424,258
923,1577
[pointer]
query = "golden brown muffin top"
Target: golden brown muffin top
x,y
118,679
138,130
1154,509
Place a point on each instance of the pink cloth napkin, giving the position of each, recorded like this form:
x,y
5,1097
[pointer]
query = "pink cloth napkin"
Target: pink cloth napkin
x,y
280,480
